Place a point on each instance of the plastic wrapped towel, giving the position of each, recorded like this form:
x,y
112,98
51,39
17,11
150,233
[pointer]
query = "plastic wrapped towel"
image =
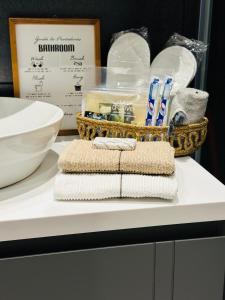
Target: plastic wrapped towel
x,y
191,102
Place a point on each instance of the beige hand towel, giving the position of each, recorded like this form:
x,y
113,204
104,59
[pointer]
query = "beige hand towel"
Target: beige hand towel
x,y
147,158
80,157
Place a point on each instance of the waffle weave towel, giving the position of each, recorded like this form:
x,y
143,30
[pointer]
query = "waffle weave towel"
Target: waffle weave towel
x,y
125,144
104,186
148,158
80,157
86,186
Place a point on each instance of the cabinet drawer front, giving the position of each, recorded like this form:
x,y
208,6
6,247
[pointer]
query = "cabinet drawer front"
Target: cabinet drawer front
x,y
199,269
125,272
164,267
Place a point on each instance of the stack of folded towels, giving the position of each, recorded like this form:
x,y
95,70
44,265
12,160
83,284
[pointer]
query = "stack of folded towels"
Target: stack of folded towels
x,y
116,168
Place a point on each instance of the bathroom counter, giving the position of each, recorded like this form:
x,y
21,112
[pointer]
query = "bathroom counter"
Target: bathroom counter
x,y
28,209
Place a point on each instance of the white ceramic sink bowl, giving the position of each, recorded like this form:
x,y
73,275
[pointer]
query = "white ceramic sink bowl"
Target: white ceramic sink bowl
x,y
27,131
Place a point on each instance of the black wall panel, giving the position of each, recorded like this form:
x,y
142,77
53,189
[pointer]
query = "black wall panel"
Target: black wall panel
x,y
161,17
213,152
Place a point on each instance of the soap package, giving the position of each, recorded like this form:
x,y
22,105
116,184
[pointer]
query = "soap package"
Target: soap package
x,y
116,94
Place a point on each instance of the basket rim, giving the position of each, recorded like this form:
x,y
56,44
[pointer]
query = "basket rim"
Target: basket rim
x,y
202,123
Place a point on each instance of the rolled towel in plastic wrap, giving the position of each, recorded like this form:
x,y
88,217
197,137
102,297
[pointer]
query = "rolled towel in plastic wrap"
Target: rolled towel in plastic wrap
x,y
126,144
191,102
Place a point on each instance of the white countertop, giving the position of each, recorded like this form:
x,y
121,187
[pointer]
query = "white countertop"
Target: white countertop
x,y
28,209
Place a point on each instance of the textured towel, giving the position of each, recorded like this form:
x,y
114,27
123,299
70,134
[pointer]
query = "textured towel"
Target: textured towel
x,y
114,143
141,186
86,186
79,156
191,102
104,186
148,158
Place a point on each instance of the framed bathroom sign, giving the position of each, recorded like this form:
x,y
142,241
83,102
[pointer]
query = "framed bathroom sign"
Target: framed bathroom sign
x,y
49,58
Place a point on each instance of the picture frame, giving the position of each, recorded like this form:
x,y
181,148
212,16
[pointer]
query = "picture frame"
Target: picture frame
x,y
49,56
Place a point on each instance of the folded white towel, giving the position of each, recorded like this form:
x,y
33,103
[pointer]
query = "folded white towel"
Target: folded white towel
x,y
103,186
86,186
114,143
141,186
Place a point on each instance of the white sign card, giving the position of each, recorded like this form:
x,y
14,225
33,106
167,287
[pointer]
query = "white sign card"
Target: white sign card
x,y
51,56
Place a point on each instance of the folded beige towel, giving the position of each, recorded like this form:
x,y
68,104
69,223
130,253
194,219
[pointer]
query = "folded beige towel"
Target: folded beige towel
x,y
80,157
148,158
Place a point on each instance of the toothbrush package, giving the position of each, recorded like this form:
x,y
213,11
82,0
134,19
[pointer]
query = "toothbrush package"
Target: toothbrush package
x,y
159,101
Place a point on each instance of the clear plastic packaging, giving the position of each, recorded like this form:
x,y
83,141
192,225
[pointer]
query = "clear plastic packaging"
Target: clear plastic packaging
x,y
130,49
115,94
198,48
142,31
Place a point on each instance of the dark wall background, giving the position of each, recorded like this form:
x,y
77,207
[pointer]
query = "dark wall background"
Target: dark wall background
x,y
213,151
161,17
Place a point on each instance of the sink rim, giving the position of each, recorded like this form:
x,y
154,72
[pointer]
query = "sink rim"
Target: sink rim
x,y
58,117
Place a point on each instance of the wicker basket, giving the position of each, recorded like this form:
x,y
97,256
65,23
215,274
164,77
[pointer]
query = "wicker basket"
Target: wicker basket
x,y
185,139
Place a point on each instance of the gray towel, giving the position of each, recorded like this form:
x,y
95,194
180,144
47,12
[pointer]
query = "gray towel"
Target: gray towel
x,y
191,102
